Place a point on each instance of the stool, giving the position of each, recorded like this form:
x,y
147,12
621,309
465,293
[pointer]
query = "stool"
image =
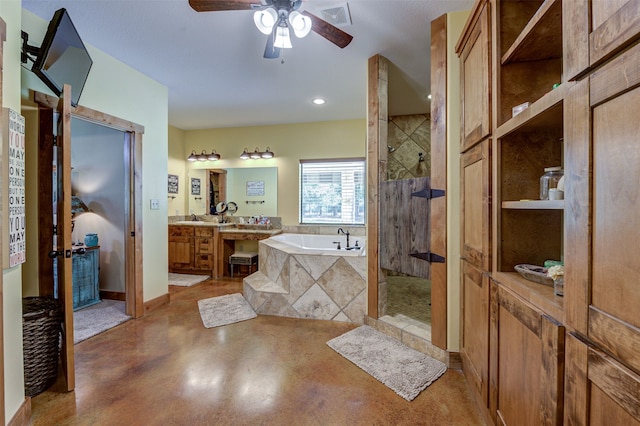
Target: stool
x,y
243,258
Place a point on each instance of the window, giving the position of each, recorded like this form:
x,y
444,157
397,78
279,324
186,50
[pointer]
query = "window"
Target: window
x,y
332,191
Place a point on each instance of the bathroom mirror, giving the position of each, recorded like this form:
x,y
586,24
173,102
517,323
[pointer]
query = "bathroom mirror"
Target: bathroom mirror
x,y
253,189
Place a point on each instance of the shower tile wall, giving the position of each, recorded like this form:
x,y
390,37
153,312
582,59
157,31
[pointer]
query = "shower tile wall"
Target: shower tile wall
x,y
408,136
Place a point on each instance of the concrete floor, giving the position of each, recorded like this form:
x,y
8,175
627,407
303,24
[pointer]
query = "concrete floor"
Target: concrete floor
x,y
167,369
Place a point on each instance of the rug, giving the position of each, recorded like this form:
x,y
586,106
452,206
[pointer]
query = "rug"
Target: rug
x,y
186,280
223,310
97,318
404,370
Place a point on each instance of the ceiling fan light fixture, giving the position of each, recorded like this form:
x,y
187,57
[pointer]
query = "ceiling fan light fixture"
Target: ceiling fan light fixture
x,y
283,41
301,24
265,20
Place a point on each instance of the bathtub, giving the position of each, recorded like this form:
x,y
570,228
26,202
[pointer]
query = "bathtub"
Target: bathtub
x,y
306,276
319,244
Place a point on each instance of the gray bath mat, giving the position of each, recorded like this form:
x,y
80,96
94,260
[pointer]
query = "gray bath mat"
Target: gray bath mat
x,y
404,370
97,318
186,280
223,310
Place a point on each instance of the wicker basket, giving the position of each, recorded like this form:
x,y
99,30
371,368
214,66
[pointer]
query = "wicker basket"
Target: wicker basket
x,y
41,319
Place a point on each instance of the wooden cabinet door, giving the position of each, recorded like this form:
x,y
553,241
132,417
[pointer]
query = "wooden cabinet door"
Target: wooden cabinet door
x,y
181,253
527,347
475,331
475,80
476,207
600,390
615,25
614,316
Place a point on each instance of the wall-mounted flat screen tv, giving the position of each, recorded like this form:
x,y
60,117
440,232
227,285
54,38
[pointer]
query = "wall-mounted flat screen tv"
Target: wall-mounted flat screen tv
x,y
63,58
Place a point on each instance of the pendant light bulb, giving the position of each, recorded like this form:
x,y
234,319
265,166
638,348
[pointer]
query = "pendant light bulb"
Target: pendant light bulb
x,y
265,20
300,23
283,41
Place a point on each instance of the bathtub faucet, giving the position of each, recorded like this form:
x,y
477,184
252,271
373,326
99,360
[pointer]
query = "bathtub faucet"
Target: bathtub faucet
x,y
340,230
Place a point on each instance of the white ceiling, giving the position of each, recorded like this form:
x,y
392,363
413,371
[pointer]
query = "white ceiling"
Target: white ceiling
x,y
213,67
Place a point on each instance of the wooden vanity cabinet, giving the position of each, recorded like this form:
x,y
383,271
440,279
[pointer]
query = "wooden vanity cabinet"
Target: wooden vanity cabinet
x,y
204,249
192,249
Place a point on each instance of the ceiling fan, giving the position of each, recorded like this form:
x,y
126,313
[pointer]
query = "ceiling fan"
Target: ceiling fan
x,y
276,18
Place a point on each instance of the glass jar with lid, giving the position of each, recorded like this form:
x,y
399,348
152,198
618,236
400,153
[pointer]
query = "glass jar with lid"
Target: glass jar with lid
x,y
550,180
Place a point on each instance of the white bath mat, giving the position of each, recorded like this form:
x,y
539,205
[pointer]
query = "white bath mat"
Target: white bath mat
x,y
223,310
186,280
404,370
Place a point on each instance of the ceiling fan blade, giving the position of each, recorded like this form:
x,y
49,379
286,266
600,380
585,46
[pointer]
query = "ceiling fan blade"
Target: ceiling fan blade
x,y
332,33
216,5
270,51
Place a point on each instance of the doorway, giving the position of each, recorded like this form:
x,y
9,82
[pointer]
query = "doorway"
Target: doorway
x,y
131,144
380,169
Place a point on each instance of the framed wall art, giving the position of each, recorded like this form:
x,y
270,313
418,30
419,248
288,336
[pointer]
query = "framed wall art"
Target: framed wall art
x,y
172,187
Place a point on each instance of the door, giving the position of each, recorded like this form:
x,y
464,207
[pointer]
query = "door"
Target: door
x,y
63,234
404,230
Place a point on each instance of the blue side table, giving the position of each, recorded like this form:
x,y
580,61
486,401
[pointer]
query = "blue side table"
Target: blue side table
x,y
86,272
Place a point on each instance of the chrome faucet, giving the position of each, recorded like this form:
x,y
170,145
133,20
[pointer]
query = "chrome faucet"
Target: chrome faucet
x,y
194,218
340,230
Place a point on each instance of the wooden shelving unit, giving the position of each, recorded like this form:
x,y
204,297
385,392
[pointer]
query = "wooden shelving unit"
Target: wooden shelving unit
x,y
541,38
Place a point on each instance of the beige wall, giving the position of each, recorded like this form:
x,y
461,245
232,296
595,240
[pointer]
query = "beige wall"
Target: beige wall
x,y
289,142
176,165
455,23
112,88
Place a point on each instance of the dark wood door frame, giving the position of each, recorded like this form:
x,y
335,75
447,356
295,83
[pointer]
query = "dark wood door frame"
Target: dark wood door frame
x,y
133,158
378,71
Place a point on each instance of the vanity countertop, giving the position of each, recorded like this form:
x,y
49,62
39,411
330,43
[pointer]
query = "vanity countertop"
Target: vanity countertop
x,y
200,223
236,230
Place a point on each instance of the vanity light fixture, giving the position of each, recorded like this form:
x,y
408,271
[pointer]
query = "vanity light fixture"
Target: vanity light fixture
x,y
267,154
214,156
257,154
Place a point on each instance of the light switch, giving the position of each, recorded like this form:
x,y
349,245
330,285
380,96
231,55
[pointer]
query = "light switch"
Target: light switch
x,y
155,204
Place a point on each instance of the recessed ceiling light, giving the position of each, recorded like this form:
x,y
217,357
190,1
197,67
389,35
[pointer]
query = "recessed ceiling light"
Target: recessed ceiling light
x,y
318,101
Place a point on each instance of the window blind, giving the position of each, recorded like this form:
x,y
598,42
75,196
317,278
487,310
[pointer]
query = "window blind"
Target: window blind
x,y
332,191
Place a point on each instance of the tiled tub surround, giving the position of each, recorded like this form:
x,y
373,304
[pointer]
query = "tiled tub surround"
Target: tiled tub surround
x,y
306,283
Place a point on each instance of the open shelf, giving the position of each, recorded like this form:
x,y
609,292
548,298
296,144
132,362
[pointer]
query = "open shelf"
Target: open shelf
x,y
544,113
541,38
539,295
534,205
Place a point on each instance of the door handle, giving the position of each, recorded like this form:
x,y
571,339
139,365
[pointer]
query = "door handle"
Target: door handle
x,y
55,253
